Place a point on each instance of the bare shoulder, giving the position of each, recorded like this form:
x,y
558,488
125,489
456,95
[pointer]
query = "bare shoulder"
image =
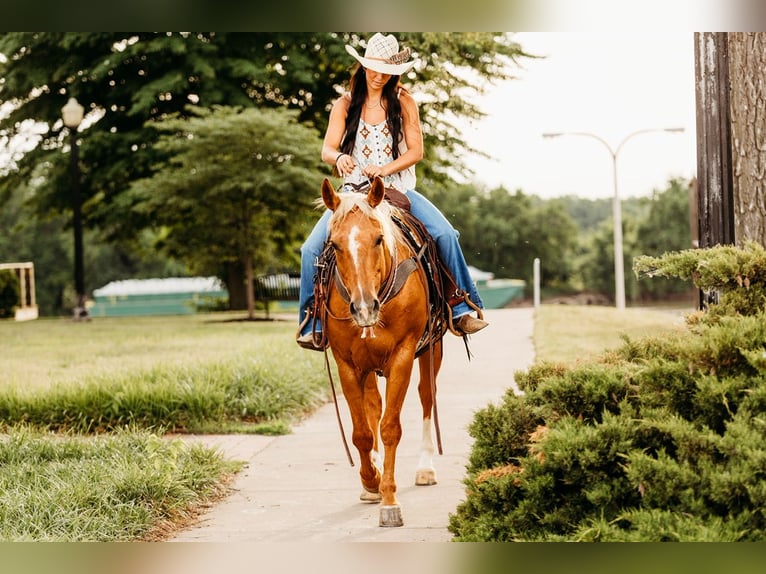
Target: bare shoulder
x,y
343,102
405,96
408,103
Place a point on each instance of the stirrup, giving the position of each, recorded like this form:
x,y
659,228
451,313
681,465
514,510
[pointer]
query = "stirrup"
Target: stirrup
x,y
313,340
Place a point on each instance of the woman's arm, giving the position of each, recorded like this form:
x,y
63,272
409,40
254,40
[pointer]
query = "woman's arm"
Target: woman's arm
x,y
333,137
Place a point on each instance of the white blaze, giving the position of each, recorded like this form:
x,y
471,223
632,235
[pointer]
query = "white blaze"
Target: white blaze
x,y
354,247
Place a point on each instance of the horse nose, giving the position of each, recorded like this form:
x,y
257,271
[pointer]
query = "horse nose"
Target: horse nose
x,y
365,313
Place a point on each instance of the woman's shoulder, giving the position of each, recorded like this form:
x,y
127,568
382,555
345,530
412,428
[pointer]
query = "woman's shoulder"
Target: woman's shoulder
x,y
344,100
406,100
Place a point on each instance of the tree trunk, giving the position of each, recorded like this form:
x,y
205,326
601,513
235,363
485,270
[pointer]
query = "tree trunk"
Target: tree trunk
x,y
714,180
236,286
250,286
747,72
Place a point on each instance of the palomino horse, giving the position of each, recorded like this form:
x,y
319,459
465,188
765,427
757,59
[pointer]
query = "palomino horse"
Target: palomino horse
x,y
374,330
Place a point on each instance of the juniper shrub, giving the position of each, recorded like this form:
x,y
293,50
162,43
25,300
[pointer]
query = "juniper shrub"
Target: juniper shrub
x,y
663,439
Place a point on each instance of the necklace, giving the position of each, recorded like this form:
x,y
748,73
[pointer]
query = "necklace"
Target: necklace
x,y
375,105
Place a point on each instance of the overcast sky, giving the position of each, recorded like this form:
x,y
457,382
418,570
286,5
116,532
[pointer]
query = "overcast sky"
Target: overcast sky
x,y
609,85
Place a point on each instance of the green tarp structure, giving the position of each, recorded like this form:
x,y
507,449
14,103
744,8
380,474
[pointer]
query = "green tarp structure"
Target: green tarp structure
x,y
168,296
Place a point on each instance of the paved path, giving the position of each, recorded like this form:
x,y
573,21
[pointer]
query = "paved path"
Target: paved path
x,y
300,487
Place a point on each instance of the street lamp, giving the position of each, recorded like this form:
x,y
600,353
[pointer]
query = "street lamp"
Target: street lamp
x,y
72,114
619,264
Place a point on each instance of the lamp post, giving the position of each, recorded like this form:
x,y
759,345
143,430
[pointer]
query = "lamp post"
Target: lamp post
x,y
72,114
619,263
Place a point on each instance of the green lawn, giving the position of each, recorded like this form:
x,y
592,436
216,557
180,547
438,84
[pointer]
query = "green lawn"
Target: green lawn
x,y
568,333
118,487
45,352
200,373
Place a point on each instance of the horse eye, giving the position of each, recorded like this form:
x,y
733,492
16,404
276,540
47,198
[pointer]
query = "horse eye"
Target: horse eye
x,y
378,241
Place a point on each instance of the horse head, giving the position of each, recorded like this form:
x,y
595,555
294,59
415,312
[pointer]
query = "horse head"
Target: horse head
x,y
363,237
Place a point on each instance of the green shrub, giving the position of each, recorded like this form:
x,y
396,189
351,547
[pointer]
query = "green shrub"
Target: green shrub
x,y
660,440
736,276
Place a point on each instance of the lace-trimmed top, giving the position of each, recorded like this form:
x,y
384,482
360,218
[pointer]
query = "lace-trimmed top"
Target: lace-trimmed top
x,y
374,145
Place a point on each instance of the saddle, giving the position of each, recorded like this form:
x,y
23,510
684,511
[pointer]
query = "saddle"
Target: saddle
x,y
443,292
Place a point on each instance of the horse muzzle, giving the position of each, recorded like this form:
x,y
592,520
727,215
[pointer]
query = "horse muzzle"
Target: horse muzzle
x,y
365,314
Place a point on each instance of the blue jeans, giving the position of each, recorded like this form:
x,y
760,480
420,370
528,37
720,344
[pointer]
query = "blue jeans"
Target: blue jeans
x,y
445,236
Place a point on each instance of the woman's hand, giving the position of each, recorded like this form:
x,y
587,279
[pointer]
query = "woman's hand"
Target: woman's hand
x,y
373,171
345,164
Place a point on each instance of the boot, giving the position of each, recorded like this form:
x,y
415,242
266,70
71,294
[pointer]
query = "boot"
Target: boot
x,y
468,324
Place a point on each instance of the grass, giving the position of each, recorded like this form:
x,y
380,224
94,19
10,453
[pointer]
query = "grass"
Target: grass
x,y
125,486
571,333
127,381
46,352
203,373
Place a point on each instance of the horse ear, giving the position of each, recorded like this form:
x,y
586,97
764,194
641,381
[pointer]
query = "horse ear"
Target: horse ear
x,y
329,196
376,193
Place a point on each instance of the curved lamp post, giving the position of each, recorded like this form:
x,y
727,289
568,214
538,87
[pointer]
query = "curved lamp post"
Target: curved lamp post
x,y
619,263
72,114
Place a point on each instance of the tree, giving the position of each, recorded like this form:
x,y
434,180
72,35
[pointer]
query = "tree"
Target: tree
x,y
747,62
731,88
235,191
503,233
9,293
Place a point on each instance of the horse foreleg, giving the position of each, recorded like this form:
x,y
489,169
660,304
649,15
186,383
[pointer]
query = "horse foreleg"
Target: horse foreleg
x,y
429,364
363,437
373,408
391,433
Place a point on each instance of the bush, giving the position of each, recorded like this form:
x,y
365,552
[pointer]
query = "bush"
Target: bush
x,y
661,440
9,293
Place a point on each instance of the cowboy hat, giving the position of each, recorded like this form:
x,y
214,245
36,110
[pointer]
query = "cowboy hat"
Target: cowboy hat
x,y
383,55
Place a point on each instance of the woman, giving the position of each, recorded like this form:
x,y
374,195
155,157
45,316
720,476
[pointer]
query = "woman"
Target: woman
x,y
359,142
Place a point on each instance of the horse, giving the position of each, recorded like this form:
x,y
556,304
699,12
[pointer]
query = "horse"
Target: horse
x,y
373,329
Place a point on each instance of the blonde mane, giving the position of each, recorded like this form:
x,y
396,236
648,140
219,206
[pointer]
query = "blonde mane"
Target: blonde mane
x,y
383,214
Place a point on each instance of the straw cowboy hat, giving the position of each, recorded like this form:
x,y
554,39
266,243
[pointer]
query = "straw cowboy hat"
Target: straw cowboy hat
x,y
383,55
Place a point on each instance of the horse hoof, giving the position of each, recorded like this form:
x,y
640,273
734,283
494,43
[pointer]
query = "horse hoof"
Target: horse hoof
x,y
368,496
391,516
425,477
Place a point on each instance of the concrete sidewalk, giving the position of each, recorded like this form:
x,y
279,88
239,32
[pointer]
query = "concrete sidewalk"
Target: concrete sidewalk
x,y
300,487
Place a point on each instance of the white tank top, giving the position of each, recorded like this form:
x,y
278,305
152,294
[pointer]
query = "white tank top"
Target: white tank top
x,y
374,146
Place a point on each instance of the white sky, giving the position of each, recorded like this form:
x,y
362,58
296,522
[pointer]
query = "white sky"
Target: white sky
x,y
610,85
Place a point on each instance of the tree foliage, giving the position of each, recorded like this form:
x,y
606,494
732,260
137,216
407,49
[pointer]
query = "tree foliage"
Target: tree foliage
x,y
235,191
651,226
665,228
126,79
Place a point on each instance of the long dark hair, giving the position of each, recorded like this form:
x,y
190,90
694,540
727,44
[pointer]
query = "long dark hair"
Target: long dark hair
x,y
390,103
